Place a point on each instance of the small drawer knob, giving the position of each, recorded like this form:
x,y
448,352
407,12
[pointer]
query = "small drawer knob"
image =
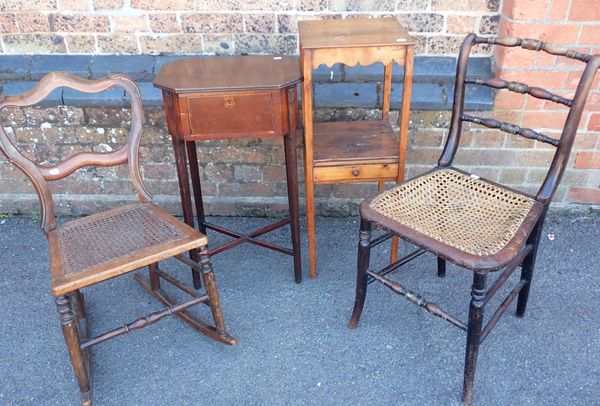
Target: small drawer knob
x,y
229,102
355,172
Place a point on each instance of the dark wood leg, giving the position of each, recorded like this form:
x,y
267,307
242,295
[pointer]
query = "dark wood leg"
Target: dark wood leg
x,y
364,254
528,266
294,206
441,267
154,277
69,326
208,276
476,310
196,186
186,200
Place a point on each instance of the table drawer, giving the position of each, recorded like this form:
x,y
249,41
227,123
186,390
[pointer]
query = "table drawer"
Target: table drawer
x,y
236,114
349,173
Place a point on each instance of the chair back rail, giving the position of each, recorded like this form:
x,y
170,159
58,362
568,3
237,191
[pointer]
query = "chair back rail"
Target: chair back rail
x,y
40,175
576,105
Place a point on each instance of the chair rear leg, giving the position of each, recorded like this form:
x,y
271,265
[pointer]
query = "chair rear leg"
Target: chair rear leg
x,y
476,310
68,323
441,267
364,254
528,266
154,277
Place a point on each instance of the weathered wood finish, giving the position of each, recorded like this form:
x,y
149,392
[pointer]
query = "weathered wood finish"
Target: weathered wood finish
x,y
67,280
353,151
232,97
521,250
39,175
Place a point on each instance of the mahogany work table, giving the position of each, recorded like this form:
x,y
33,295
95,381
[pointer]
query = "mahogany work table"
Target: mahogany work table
x,y
356,151
210,98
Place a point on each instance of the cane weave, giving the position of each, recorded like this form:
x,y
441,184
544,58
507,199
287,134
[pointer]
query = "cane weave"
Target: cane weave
x,y
112,235
459,210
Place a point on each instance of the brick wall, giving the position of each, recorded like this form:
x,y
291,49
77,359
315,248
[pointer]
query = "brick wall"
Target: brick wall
x,y
219,27
247,176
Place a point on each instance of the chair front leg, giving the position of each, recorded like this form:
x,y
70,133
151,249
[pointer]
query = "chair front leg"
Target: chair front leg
x,y
476,310
210,284
364,254
68,323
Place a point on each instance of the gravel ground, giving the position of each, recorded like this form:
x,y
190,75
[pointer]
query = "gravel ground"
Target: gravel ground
x,y
294,347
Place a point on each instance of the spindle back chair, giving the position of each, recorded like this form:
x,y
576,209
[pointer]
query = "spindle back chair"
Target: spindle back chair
x,y
93,249
469,221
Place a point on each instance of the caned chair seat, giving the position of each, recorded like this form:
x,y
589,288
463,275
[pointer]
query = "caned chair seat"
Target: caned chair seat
x,y
104,245
471,221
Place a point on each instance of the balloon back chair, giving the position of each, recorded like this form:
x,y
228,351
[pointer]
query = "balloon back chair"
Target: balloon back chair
x,y
93,249
467,220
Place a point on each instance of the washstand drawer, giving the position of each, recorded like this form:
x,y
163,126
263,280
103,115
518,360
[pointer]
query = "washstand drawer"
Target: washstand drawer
x,y
239,114
349,173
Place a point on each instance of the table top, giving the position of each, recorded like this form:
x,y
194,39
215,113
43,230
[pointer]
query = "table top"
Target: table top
x,y
353,32
226,73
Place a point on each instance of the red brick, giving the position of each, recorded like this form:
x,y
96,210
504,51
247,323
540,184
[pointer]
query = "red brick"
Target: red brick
x,y
554,33
526,9
163,5
594,123
574,77
80,44
117,44
108,4
32,22
506,100
584,10
544,79
559,9
544,119
8,23
584,195
514,57
584,140
130,23
164,23
74,5
587,160
459,24
26,5
460,5
590,35
80,23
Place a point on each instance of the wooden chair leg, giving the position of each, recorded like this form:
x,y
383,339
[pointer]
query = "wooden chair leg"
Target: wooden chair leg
x,y
208,277
364,254
476,311
528,266
154,277
310,225
72,339
441,267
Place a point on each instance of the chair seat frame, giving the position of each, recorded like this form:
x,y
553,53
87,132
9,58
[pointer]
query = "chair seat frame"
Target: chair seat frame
x,y
524,253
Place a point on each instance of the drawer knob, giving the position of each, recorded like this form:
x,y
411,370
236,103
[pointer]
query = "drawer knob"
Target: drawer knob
x,y
229,102
355,172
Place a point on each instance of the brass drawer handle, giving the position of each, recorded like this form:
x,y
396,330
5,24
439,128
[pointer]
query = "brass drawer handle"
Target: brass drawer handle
x,y
355,172
229,102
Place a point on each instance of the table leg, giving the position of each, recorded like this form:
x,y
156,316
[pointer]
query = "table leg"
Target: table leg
x,y
186,199
292,186
196,186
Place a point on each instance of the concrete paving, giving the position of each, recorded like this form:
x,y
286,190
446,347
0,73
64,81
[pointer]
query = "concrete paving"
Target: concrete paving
x,y
294,347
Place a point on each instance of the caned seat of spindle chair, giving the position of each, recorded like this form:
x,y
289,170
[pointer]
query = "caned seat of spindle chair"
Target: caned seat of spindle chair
x,y
104,245
471,221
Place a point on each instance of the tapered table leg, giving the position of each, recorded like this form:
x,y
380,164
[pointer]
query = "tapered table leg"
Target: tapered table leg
x,y
196,186
186,199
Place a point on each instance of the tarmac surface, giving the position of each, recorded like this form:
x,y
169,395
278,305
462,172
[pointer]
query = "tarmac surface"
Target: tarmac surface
x,y
294,347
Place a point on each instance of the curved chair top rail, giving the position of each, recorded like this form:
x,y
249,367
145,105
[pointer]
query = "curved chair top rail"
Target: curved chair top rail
x,y
41,174
576,105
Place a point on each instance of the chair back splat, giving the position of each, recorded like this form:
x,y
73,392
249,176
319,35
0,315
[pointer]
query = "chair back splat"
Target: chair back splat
x,y
40,175
563,145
